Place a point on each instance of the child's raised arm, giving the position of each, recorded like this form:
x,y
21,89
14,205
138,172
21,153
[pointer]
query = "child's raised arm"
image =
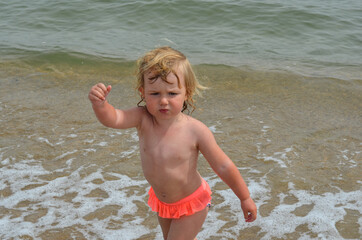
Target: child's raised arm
x,y
226,170
107,114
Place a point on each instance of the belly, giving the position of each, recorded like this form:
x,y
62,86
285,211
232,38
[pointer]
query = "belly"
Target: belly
x,y
162,175
171,183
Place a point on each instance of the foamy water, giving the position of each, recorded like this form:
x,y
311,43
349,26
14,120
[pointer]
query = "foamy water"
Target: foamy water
x,y
113,206
88,203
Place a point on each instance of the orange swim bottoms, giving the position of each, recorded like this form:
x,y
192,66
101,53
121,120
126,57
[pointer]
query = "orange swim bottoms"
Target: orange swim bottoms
x,y
187,206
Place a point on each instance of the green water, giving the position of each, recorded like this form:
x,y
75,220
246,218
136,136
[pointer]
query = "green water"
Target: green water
x,y
313,38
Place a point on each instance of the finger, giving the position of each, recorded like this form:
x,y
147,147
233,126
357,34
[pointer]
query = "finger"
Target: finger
x,y
103,89
246,214
102,86
247,218
254,213
109,88
94,98
97,94
251,217
99,88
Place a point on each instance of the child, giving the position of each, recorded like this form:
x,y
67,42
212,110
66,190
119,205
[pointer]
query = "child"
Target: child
x,y
170,142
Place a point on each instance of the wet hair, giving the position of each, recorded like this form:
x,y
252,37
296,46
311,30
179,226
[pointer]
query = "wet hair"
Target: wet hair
x,y
164,60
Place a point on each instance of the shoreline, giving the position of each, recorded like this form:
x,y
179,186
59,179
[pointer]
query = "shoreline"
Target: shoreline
x,y
77,61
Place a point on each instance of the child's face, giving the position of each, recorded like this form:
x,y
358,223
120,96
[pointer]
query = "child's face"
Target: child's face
x,y
164,100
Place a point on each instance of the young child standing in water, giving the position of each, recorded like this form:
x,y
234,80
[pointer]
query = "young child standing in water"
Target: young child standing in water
x,y
170,142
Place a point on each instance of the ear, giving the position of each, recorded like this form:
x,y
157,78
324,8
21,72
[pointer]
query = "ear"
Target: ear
x,y
142,92
186,96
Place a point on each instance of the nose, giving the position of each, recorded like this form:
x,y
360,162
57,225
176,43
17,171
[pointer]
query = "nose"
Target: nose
x,y
164,100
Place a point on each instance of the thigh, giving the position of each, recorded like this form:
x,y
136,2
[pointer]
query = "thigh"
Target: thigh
x,y
187,227
165,224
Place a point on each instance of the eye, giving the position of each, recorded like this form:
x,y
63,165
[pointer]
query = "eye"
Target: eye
x,y
153,78
154,93
172,93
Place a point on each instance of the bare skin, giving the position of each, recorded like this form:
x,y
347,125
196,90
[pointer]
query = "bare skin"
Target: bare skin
x,y
170,142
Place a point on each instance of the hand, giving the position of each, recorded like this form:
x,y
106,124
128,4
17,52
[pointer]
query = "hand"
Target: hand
x,y
249,209
98,93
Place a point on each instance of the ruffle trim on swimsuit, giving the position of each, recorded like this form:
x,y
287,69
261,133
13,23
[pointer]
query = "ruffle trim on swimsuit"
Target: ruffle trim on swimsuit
x,y
193,203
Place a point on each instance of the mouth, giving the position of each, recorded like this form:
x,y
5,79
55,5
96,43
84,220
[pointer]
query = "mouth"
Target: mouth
x,y
163,110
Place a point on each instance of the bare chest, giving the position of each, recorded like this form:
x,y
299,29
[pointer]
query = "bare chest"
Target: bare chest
x,y
171,148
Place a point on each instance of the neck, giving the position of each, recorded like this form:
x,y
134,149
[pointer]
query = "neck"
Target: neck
x,y
167,123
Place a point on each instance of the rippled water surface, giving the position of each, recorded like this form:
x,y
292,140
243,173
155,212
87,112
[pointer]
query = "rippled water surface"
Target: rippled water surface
x,y
308,37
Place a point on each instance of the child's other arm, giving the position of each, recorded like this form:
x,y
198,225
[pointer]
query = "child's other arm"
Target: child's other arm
x,y
227,171
107,114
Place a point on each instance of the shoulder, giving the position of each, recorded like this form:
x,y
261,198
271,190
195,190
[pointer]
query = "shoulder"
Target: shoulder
x,y
200,130
206,141
132,117
143,114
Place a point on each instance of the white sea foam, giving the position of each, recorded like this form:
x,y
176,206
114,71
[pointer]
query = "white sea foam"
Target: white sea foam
x,y
45,140
65,154
279,157
348,158
115,133
213,129
134,137
275,159
265,129
62,214
102,144
213,223
128,153
89,141
327,210
72,135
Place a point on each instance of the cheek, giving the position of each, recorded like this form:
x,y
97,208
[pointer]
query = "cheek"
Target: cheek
x,y
148,100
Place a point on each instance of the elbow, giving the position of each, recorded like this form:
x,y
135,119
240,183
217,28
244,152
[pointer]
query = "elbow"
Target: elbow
x,y
109,119
225,169
107,124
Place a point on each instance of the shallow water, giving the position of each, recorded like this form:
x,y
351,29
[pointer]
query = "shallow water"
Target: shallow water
x,y
296,140
284,102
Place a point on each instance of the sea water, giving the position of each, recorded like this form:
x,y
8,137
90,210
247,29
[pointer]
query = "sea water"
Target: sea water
x,y
284,102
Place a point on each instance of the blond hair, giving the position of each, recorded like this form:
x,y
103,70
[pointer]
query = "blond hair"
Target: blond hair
x,y
163,61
